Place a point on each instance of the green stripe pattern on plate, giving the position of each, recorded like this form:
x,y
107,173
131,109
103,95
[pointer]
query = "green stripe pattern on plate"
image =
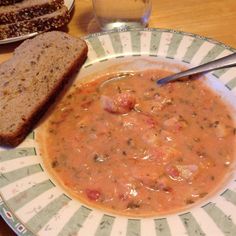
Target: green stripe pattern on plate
x,y
16,153
42,217
212,54
74,224
105,226
28,195
12,176
162,228
155,42
116,43
135,42
230,196
231,84
133,227
191,225
174,44
223,221
192,49
97,47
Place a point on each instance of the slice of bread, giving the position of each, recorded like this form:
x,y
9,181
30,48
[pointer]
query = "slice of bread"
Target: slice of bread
x,y
8,2
32,78
38,24
28,9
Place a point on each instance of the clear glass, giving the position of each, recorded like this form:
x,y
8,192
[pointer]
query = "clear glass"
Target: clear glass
x,y
121,14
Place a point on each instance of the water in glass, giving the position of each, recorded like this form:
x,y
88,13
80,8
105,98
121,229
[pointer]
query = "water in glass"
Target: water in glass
x,y
121,14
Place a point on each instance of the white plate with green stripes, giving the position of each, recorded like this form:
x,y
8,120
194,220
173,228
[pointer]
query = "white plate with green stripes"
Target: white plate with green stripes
x,y
32,203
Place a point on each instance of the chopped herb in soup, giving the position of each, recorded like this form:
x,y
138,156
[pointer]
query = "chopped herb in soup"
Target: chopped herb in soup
x,y
136,148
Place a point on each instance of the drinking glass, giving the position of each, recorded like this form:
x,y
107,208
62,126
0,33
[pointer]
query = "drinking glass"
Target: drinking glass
x,y
122,14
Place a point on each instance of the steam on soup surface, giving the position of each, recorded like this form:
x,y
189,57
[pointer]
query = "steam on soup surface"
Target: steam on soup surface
x,y
136,148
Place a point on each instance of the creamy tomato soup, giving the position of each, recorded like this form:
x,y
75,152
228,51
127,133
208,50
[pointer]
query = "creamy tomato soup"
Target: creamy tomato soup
x,y
133,147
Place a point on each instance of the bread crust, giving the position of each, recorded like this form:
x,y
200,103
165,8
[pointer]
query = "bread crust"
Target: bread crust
x,y
13,138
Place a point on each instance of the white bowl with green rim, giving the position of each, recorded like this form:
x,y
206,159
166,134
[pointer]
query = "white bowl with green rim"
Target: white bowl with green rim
x,y
32,202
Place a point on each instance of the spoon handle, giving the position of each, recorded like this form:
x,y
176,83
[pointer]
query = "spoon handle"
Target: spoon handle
x,y
224,62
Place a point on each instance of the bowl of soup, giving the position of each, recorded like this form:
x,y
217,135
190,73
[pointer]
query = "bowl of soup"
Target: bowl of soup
x,y
118,154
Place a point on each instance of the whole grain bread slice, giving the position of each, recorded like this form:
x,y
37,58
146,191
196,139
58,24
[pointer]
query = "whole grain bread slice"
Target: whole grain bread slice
x,y
8,2
43,23
31,79
27,10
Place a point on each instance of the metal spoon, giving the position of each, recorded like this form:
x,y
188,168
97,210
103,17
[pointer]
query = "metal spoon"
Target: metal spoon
x,y
224,62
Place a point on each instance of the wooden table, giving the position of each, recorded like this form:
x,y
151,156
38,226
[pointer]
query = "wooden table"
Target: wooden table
x,y
211,18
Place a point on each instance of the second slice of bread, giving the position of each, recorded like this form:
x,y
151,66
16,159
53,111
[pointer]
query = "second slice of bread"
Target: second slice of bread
x,y
31,79
42,23
27,10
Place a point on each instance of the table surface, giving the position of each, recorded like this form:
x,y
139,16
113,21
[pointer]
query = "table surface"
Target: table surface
x,y
210,18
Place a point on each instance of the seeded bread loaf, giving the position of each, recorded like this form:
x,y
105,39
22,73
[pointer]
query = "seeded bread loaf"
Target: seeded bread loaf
x,y
28,9
31,79
38,24
8,2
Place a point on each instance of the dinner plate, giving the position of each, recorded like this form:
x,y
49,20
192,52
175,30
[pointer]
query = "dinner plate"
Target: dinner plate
x,y
68,3
32,202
